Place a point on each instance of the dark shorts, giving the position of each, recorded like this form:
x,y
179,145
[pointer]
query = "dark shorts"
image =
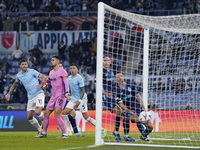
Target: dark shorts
x,y
109,103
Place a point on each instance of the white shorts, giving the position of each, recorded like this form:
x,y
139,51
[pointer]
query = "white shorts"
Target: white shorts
x,y
82,106
36,101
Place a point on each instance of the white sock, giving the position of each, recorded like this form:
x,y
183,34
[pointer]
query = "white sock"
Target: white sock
x,y
41,116
92,121
66,121
35,123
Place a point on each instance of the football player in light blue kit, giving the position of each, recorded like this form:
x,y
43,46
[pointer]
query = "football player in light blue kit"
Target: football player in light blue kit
x,y
29,78
79,97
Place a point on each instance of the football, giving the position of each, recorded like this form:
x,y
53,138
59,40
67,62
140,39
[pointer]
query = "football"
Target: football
x,y
144,117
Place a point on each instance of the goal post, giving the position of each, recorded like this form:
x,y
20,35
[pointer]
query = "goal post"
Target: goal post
x,y
160,57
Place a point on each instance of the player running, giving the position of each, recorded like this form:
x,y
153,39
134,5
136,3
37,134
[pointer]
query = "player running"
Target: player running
x,y
29,79
132,100
79,97
59,82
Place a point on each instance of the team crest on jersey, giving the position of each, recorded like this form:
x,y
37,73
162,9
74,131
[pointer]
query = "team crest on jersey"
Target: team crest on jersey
x,y
7,40
129,89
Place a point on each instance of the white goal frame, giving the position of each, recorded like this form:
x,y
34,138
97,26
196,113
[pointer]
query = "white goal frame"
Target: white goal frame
x,y
99,73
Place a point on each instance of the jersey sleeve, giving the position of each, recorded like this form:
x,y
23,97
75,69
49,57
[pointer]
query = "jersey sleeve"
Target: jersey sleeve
x,y
80,82
17,78
63,73
134,90
34,73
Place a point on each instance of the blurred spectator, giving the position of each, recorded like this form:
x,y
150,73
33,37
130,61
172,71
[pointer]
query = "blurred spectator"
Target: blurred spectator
x,y
2,82
47,24
36,24
23,25
42,61
8,80
16,22
5,66
61,50
56,9
91,100
84,60
2,6
179,86
14,7
72,54
6,90
186,7
8,25
151,105
57,25
48,8
94,45
85,6
32,4
23,94
140,86
16,95
70,25
22,8
1,23
86,46
194,6
188,106
86,24
92,62
47,97
87,80
120,5
94,6
17,54
35,52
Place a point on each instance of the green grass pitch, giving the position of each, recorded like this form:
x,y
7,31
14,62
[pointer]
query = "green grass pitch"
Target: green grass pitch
x,y
26,141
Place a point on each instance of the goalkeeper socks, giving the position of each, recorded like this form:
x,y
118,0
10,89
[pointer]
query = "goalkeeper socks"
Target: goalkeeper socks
x,y
66,121
126,126
35,123
148,131
117,123
61,124
73,123
45,122
141,129
41,116
92,121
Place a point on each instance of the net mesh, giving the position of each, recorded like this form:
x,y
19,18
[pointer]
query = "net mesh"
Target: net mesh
x,y
174,73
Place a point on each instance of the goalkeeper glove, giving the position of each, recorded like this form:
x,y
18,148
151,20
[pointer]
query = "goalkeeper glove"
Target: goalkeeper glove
x,y
68,96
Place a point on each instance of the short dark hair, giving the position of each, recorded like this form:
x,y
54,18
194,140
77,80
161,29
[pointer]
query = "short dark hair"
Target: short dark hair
x,y
74,65
22,60
56,57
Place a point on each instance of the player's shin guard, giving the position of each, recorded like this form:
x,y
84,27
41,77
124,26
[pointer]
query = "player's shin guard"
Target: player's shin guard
x,y
141,129
45,123
61,124
92,121
35,123
41,116
66,121
117,123
126,126
73,123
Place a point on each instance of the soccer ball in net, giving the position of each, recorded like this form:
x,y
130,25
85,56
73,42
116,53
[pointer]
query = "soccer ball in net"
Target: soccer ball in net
x,y
144,117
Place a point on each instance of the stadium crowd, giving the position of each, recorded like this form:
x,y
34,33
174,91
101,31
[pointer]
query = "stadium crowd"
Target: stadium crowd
x,y
14,17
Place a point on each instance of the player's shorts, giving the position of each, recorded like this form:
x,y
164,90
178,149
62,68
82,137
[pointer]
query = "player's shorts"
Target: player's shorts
x,y
59,102
109,103
82,106
36,101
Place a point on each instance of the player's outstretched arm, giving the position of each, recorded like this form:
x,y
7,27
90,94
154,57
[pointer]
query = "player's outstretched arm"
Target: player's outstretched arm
x,y
140,101
7,97
43,77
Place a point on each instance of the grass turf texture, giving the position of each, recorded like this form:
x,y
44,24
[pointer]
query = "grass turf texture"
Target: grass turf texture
x,y
26,141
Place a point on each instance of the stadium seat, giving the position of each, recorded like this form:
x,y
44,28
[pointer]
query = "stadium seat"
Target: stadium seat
x,y
46,56
63,12
2,56
27,56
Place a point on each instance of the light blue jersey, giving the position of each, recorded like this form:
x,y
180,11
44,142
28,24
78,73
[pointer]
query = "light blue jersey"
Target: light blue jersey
x,y
75,84
30,82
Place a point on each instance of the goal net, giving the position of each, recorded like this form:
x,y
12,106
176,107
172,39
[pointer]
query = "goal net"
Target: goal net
x,y
160,56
